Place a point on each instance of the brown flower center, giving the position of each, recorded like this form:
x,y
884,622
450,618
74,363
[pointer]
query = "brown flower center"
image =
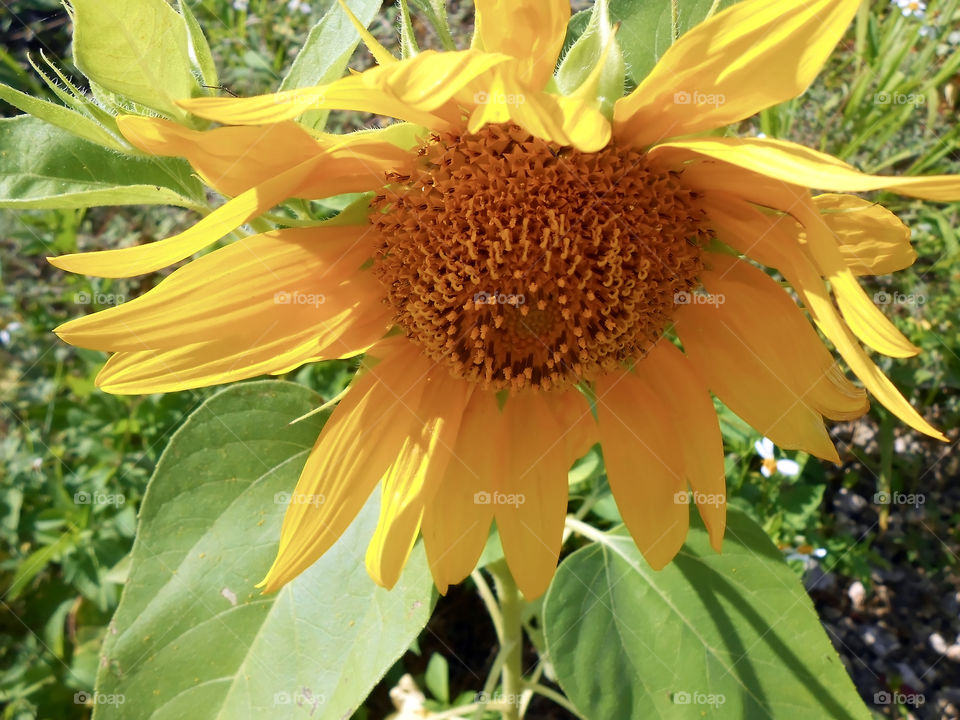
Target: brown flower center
x,y
522,264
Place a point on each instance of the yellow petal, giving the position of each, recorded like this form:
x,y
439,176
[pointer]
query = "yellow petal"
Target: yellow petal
x,y
234,159
862,316
643,451
141,259
418,89
773,234
230,159
145,372
872,240
530,503
684,394
350,166
749,57
379,52
456,522
531,31
411,482
739,345
566,121
362,438
282,284
800,166
578,426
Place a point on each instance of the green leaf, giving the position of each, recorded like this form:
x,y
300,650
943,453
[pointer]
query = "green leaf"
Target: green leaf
x,y
139,50
437,678
732,634
192,637
62,117
646,29
42,166
327,51
200,55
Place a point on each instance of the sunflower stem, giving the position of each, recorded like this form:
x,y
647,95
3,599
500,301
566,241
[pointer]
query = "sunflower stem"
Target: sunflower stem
x,y
511,642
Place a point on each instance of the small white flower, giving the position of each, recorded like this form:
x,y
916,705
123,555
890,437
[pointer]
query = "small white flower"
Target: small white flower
x,y
295,5
770,464
916,8
954,37
241,5
5,333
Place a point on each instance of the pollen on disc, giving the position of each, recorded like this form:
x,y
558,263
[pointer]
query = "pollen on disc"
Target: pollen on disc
x,y
522,264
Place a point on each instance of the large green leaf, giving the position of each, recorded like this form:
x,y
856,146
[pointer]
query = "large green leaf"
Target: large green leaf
x,y
139,50
327,51
42,166
192,637
733,635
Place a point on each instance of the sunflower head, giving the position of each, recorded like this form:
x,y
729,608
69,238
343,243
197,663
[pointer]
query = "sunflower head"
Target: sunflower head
x,y
504,267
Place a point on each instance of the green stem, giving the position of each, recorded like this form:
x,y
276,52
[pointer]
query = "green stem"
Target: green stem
x,y
511,612
713,9
486,594
556,697
675,17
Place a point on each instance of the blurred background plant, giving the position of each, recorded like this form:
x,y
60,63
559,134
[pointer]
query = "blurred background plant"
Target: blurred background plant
x,y
75,461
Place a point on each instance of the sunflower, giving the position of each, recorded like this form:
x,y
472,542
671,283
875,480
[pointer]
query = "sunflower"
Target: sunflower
x,y
530,273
